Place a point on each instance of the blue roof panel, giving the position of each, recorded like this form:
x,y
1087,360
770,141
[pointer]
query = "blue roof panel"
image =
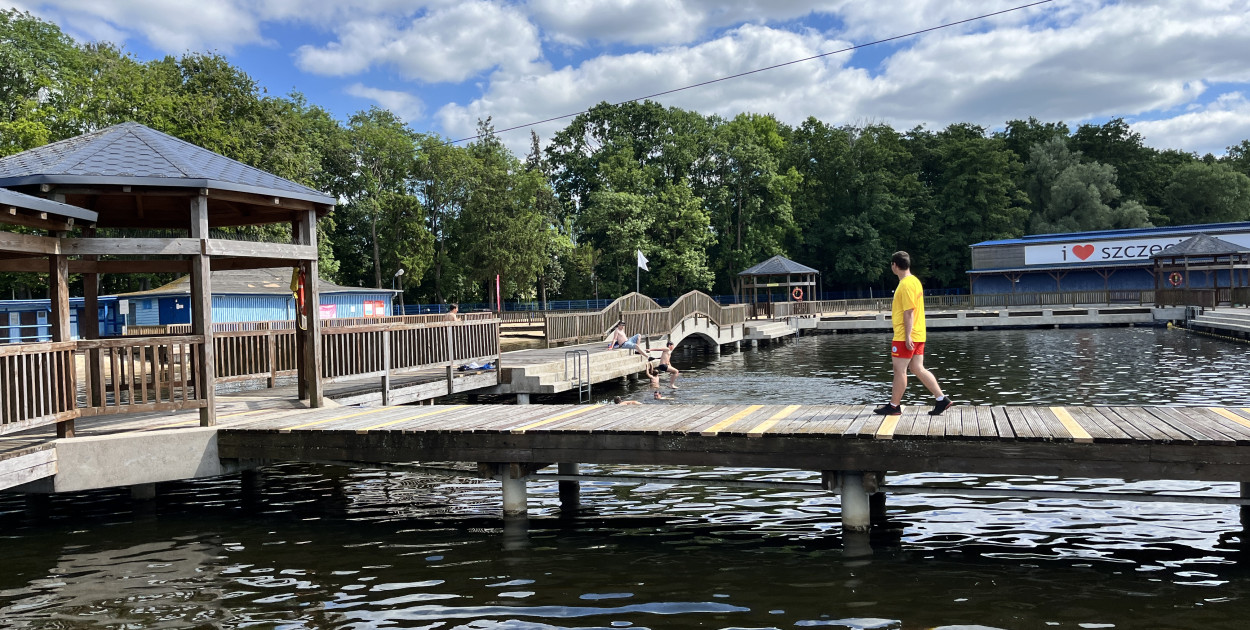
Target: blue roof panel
x,y
1209,228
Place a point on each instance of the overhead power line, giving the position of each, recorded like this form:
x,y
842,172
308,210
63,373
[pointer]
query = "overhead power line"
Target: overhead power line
x,y
772,67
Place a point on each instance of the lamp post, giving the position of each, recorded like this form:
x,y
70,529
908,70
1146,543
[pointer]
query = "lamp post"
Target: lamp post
x,y
395,277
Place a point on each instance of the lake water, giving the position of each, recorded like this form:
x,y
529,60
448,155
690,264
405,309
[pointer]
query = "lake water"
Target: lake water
x,y
334,547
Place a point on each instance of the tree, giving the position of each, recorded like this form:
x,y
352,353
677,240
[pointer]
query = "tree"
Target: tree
x,y
1080,200
1020,136
501,231
748,194
1207,193
975,198
442,180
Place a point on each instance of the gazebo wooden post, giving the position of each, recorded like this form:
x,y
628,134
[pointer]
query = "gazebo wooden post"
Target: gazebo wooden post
x,y
305,233
58,318
89,327
202,310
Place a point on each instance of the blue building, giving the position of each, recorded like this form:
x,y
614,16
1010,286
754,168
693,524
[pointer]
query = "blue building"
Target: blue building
x,y
250,295
1085,261
26,321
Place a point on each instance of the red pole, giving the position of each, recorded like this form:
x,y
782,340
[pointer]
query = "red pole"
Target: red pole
x,y
498,297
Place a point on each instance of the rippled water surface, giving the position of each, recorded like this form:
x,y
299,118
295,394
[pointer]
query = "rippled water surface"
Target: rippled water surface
x,y
333,547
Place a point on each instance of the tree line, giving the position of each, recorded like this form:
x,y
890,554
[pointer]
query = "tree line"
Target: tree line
x,y
703,197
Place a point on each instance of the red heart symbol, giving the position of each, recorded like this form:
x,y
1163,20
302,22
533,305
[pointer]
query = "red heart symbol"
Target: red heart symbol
x,y
1083,251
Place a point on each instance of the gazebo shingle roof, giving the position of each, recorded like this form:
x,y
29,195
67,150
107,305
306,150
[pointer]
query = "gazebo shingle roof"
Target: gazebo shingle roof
x,y
131,153
777,266
1202,245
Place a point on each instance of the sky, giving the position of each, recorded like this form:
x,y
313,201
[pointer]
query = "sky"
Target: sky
x,y
1177,70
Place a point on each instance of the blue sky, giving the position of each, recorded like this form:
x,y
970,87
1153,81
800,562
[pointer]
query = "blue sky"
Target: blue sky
x,y
1177,71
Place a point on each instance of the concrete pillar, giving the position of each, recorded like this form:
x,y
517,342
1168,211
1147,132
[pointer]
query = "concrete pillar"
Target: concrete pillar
x,y
715,348
738,345
570,491
855,510
515,501
522,399
143,492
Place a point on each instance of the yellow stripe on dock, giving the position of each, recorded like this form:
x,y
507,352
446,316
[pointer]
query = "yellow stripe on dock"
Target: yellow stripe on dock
x,y
1078,434
714,429
886,430
420,415
567,414
768,424
1230,415
350,415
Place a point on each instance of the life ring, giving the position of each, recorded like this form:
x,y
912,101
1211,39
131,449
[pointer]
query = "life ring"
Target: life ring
x,y
797,293
1176,278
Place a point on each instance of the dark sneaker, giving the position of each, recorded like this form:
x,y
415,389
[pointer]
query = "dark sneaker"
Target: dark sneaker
x,y
941,405
889,410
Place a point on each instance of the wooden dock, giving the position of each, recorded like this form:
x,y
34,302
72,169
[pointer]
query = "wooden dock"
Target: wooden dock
x,y
1193,443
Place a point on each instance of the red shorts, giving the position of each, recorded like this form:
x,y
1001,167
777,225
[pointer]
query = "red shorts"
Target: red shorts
x,y
898,349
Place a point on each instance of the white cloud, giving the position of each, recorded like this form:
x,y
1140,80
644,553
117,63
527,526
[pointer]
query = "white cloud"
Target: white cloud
x,y
790,92
1211,129
402,104
449,44
172,27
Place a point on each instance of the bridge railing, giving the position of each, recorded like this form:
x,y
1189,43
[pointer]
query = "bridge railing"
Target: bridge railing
x,y
594,326
655,322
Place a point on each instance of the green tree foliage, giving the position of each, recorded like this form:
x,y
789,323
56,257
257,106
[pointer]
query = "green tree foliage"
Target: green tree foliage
x,y
1207,193
502,233
748,195
974,198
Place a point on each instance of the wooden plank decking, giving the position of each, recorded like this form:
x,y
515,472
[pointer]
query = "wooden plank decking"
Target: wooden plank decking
x,y
1207,443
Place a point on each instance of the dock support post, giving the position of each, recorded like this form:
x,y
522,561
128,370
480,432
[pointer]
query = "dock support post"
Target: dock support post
x,y
515,501
143,492
715,348
522,399
570,491
856,514
876,508
1245,509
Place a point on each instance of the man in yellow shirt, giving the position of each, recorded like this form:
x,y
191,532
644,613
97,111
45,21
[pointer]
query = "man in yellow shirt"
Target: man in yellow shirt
x,y
907,348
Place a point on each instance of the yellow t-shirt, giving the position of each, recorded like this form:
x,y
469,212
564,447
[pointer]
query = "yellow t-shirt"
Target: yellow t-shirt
x,y
909,295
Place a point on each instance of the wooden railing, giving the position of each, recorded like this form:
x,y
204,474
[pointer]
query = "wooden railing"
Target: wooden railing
x,y
37,385
336,322
1209,298
641,315
940,302
1241,296
350,352
693,304
135,374
593,326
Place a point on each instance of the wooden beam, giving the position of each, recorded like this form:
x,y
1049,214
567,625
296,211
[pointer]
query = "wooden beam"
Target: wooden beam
x,y
41,221
249,249
130,266
266,201
29,243
225,264
131,246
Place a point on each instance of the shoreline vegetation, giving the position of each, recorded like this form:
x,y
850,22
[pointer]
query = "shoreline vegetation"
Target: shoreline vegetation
x,y
703,197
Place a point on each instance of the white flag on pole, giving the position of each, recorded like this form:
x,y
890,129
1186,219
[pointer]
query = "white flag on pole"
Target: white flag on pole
x,y
642,261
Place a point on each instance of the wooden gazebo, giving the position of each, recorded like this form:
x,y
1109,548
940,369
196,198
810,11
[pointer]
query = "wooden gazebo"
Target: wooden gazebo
x,y
130,199
798,282
1201,271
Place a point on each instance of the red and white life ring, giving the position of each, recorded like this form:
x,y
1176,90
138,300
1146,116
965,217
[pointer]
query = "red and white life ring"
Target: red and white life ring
x,y
797,293
1175,279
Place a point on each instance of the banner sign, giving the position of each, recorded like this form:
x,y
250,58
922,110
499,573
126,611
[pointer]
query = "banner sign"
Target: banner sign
x,y
1123,250
329,311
